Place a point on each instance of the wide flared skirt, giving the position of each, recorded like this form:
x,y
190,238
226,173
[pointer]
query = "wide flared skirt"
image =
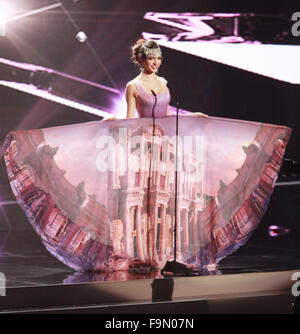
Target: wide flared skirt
x,y
103,195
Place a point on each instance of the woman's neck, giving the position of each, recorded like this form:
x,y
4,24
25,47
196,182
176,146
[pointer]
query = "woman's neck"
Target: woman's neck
x,y
148,76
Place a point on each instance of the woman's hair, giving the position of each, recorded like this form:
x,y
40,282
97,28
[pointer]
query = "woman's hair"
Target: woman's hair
x,y
140,48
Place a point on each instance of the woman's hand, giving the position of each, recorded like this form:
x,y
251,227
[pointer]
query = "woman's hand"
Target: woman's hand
x,y
199,114
110,118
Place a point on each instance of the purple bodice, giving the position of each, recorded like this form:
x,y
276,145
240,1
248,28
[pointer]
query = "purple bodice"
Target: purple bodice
x,y
145,102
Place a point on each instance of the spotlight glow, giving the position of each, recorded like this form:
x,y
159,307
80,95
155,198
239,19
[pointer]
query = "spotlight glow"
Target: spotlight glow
x,y
277,231
30,89
81,36
5,12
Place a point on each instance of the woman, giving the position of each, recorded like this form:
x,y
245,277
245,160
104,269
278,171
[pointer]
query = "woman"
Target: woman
x,y
93,217
142,90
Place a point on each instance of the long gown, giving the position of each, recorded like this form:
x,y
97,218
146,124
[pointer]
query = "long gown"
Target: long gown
x,y
101,195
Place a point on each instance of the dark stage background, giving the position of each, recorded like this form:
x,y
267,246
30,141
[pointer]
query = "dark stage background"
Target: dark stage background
x,y
48,40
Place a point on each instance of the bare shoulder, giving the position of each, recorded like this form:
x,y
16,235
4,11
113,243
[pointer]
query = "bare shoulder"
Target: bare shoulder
x,y
163,80
131,87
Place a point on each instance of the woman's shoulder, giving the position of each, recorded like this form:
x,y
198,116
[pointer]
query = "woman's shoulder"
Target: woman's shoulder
x,y
163,80
131,86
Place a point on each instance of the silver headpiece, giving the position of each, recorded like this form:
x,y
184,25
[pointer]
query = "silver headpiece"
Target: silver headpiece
x,y
149,52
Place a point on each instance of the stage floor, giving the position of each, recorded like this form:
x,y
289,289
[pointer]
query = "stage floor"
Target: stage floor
x,y
37,283
36,267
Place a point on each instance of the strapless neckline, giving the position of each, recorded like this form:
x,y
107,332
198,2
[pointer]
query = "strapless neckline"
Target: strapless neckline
x,y
144,90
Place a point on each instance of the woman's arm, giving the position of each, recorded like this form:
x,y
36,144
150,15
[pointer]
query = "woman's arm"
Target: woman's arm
x,y
168,111
130,99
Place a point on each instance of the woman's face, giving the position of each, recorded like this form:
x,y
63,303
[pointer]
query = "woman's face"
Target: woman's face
x,y
151,64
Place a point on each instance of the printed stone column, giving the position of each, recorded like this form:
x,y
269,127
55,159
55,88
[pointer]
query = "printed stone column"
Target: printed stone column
x,y
168,165
195,232
139,236
150,232
186,231
154,232
143,156
178,236
163,232
128,235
